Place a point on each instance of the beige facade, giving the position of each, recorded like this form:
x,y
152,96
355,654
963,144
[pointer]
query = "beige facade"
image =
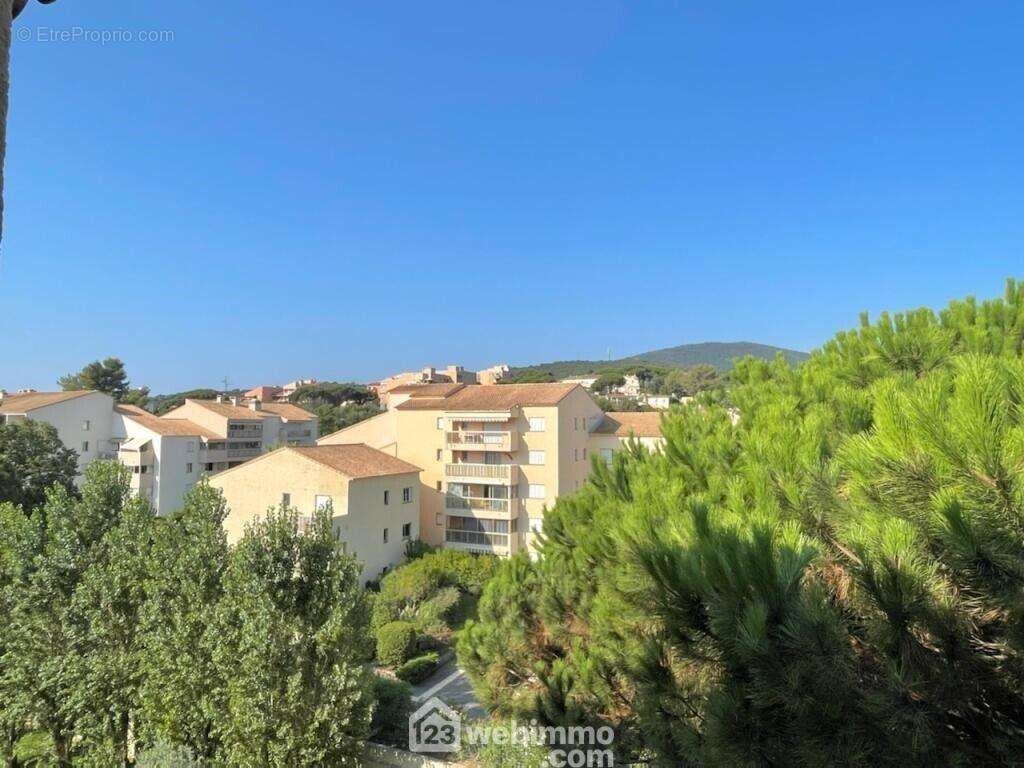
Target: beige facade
x,y
493,457
375,498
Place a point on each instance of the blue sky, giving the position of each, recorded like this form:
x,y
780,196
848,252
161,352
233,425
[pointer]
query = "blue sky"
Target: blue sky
x,y
346,189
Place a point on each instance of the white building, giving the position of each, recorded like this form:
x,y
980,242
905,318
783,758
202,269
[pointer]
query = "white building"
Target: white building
x,y
82,420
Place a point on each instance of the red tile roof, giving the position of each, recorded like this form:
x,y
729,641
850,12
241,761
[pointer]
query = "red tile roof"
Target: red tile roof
x,y
494,397
638,424
30,401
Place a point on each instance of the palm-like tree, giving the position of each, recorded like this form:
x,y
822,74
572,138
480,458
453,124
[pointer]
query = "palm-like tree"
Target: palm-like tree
x,y
9,10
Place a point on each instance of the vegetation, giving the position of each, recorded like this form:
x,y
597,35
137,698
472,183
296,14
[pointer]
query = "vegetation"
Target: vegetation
x,y
161,404
719,355
337,405
108,376
835,580
418,669
130,634
32,460
390,724
396,643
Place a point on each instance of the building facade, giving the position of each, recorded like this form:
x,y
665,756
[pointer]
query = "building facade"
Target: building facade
x,y
374,498
493,457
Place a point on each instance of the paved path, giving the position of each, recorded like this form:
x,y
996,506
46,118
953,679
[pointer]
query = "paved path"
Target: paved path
x,y
450,685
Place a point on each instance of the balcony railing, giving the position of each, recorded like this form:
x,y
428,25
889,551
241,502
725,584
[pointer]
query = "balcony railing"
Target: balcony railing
x,y
243,453
483,473
477,538
468,440
474,504
239,433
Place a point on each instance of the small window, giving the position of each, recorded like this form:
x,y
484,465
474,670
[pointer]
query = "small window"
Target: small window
x,y
536,524
584,454
406,495
439,519
576,423
440,454
323,502
86,425
440,422
439,485
387,498
188,468
537,457
385,535
208,467
406,530
606,454
286,500
575,454
537,424
191,447
85,446
538,492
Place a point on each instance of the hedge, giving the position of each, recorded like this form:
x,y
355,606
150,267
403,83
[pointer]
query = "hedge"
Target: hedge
x,y
396,642
419,669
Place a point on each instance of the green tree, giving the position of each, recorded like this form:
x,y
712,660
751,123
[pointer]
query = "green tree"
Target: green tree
x,y
609,381
291,640
107,376
688,382
32,460
184,587
836,579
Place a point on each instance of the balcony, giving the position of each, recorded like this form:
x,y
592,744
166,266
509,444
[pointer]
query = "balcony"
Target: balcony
x,y
488,474
238,432
465,505
243,453
472,440
478,540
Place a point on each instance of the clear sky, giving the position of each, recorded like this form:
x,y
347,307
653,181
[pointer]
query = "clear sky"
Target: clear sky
x,y
343,189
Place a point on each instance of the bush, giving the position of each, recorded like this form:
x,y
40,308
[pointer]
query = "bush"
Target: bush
x,y
435,615
390,724
417,548
396,642
419,669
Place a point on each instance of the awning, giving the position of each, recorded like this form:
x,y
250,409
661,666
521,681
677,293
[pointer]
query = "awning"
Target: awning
x,y
492,416
134,444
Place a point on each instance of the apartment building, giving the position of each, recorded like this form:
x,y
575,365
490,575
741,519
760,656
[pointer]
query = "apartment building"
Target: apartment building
x,y
453,374
82,419
374,497
493,457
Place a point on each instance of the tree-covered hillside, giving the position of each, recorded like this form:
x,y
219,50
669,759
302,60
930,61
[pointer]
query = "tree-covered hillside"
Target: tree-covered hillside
x,y
720,355
836,579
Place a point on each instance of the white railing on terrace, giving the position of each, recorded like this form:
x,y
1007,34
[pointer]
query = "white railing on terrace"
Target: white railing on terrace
x,y
484,441
481,471
475,504
477,538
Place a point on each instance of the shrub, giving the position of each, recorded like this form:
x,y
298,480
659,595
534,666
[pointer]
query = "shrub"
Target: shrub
x,y
396,642
435,615
417,548
419,669
390,724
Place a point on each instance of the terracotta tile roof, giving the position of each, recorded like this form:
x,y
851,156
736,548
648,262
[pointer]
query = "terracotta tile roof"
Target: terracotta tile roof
x,y
228,410
356,461
426,390
264,393
30,401
639,424
288,411
165,426
494,397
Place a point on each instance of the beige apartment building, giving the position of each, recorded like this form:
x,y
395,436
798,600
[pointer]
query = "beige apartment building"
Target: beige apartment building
x,y
493,456
374,497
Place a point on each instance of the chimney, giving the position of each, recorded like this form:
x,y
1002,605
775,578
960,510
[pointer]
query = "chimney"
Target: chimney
x,y
234,401
256,405
220,398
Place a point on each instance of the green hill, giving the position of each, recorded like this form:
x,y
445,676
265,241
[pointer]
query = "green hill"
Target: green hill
x,y
718,354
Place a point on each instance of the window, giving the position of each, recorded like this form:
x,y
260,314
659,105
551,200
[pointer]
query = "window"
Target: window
x,y
440,454
385,535
191,447
86,425
439,485
576,423
387,498
188,468
286,500
208,467
575,454
537,457
440,422
537,424
538,492
439,519
324,502
536,524
584,454
606,454
85,446
406,530
406,495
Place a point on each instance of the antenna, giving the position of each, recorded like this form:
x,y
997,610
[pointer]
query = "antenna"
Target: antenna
x,y
224,381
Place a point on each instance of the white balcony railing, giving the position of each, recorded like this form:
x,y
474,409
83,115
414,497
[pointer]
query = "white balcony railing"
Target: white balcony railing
x,y
474,504
501,473
469,440
477,538
243,453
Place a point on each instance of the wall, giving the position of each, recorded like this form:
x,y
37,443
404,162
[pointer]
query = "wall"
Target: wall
x,y
418,441
362,529
68,417
380,432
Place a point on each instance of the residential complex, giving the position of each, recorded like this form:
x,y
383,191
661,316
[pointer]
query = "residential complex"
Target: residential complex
x,y
453,374
374,497
494,456
168,454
